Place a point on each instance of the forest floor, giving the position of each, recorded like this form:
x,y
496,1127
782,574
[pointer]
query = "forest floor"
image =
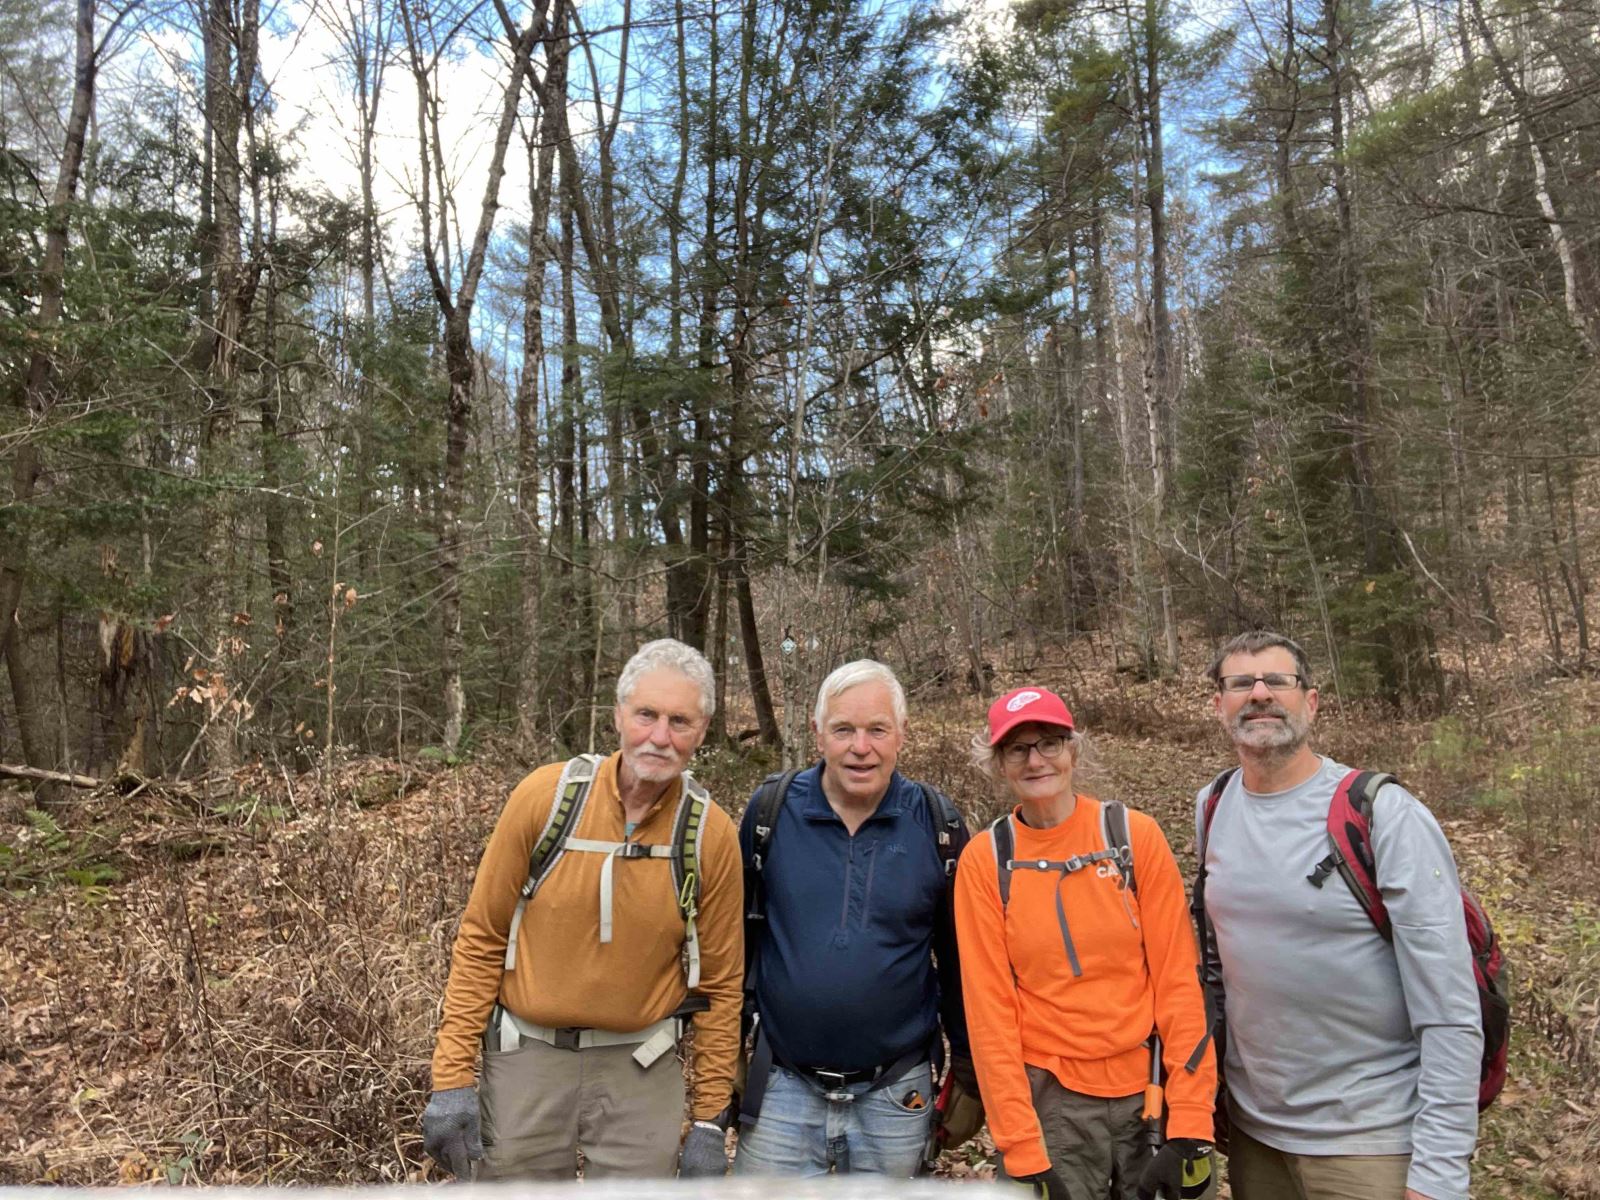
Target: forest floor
x,y
246,992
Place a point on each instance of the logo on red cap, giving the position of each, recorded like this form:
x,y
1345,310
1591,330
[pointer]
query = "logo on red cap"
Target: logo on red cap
x,y
1021,700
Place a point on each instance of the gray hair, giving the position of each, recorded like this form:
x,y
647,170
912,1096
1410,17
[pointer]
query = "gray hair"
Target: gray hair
x,y
1254,641
986,758
669,654
854,674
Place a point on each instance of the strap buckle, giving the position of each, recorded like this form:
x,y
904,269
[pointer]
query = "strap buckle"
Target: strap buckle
x,y
566,1038
834,1086
633,850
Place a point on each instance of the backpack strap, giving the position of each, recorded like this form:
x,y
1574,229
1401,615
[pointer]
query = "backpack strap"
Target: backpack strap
x,y
763,811
1114,834
1350,832
1210,965
1213,798
1004,840
766,804
686,827
1004,843
947,826
572,793
1197,907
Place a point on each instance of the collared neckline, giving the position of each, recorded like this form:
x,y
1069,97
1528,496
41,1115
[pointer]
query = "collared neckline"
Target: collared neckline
x,y
817,808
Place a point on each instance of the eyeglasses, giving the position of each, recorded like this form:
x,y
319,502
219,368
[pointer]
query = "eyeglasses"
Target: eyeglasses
x,y
1276,681
1050,746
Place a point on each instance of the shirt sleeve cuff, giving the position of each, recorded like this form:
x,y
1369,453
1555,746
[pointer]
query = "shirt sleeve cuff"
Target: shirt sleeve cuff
x,y
452,1076
1026,1158
1431,1183
708,1108
1190,1121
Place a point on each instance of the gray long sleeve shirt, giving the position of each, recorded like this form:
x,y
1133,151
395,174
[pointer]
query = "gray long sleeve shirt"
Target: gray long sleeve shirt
x,y
1338,1042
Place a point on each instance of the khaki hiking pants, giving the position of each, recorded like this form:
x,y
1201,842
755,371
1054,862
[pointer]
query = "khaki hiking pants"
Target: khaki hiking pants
x,y
1096,1145
1258,1172
542,1105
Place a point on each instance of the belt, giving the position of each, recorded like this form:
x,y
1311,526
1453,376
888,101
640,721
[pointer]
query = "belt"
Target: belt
x,y
839,1079
507,1031
830,1085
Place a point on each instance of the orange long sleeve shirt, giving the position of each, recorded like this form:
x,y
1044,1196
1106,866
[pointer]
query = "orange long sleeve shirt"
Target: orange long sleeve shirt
x,y
564,975
1025,1006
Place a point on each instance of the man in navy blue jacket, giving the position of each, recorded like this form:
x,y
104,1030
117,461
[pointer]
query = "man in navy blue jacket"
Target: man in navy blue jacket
x,y
853,960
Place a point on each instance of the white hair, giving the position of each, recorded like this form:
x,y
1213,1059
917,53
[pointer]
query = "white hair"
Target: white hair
x,y
854,674
669,654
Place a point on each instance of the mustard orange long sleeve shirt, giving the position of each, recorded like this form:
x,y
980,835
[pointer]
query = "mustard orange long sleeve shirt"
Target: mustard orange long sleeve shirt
x,y
1025,1006
564,975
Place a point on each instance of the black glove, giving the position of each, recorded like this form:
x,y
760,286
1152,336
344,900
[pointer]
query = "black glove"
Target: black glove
x,y
1181,1170
705,1152
450,1130
1045,1184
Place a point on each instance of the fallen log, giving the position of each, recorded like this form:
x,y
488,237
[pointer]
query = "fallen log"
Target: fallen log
x,y
7,771
127,783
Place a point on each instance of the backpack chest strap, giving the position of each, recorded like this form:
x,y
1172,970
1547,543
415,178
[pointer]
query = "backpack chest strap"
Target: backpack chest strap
x,y
1076,863
614,851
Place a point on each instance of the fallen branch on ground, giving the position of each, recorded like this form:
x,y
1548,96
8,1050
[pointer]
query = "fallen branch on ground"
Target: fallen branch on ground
x,y
7,771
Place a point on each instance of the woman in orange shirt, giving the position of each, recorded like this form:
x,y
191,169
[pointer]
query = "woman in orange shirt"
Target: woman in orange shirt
x,y
1075,947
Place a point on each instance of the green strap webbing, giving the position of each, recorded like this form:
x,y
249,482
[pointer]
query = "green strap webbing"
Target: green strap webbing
x,y
572,792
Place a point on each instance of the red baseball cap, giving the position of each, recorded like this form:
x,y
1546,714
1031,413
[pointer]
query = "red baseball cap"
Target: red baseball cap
x,y
1023,705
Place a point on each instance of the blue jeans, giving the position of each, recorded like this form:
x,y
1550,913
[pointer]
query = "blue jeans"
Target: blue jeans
x,y
801,1132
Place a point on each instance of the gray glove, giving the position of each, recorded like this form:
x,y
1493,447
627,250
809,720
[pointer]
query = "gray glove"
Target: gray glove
x,y
450,1130
705,1152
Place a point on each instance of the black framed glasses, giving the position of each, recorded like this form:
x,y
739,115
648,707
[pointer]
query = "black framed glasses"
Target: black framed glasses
x,y
1276,681
1049,746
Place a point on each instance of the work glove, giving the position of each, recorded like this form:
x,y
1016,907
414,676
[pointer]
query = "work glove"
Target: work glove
x,y
1181,1170
1045,1184
451,1132
705,1152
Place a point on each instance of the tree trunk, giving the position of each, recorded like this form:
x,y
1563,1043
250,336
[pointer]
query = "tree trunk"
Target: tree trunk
x,y
541,164
750,635
460,368
1580,282
37,396
1405,665
1156,202
229,82
568,668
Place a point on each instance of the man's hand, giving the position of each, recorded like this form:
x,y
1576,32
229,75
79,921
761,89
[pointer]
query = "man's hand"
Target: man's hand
x,y
1181,1168
450,1130
705,1152
1413,1194
1045,1184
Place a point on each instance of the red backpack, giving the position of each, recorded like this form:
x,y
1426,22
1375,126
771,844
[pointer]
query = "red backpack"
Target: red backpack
x,y
1350,833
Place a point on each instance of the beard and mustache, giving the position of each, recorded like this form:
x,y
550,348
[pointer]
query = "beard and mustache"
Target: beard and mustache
x,y
1284,735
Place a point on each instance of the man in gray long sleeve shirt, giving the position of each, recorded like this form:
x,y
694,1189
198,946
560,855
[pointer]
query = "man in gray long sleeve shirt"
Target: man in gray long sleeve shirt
x,y
1352,1064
